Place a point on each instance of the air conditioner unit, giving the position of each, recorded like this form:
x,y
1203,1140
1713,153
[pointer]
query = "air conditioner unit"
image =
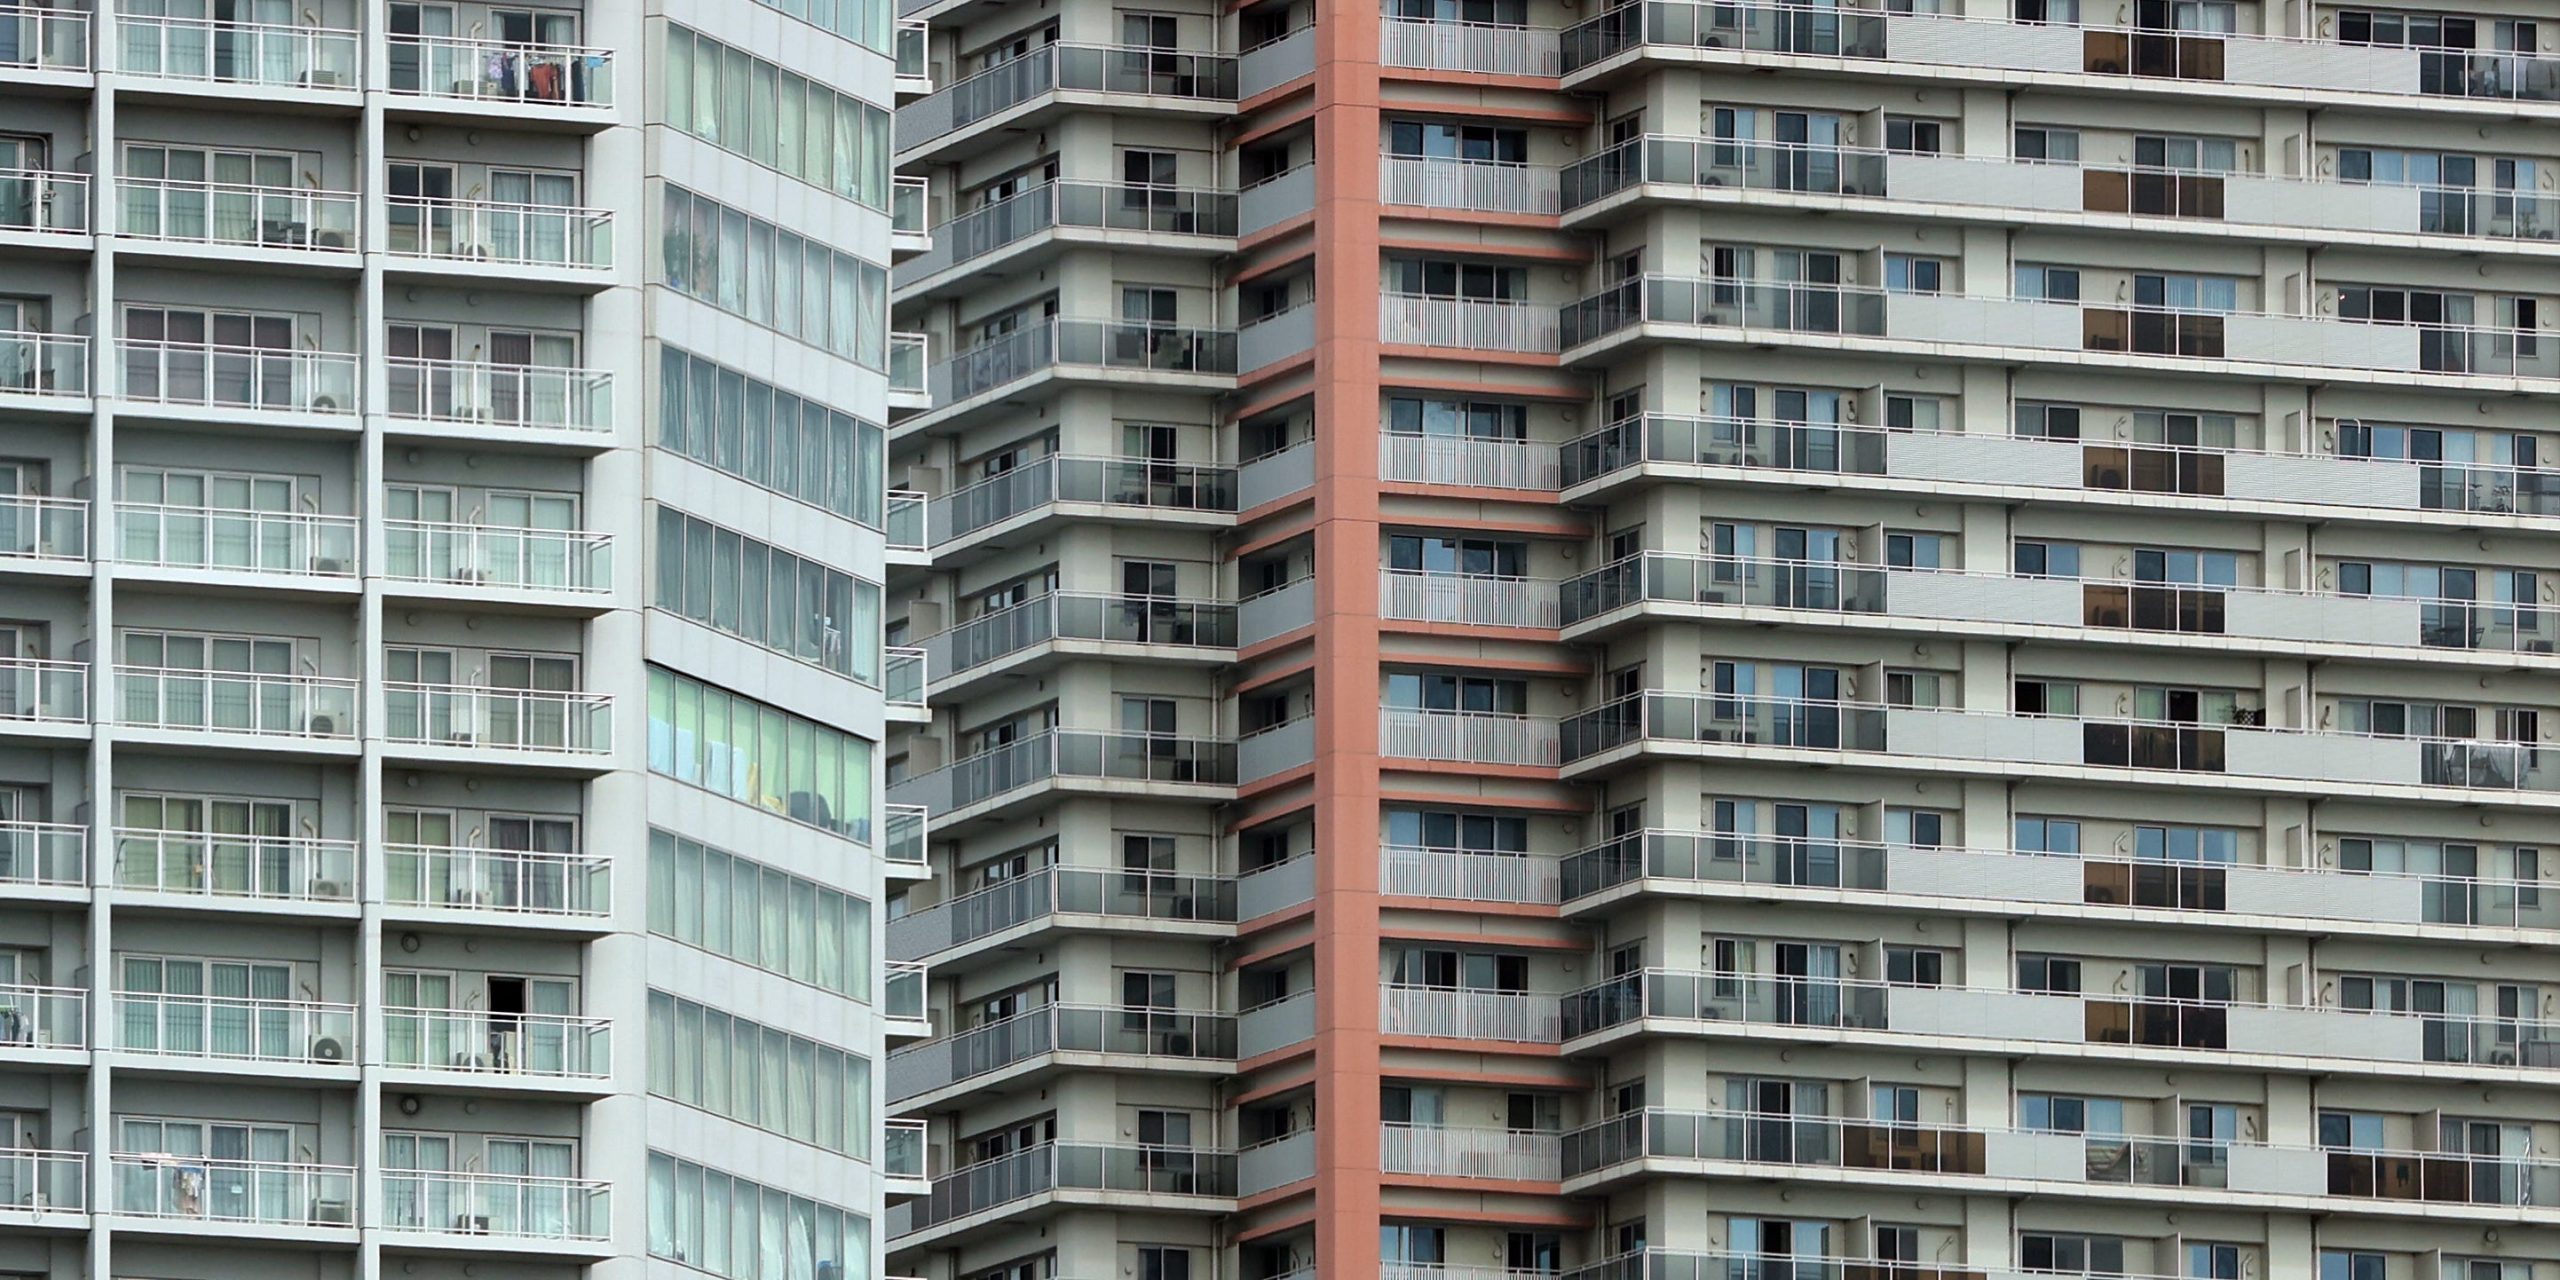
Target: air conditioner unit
x,y
461,737
471,1224
333,1212
328,565
324,403
329,889
329,239
2502,1056
321,725
328,1049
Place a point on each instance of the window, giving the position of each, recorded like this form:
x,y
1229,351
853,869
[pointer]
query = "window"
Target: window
x,y
2058,146
768,597
775,439
2346,1264
1909,828
1434,140
796,127
1913,137
2352,1130
704,1057
793,768
2047,559
2049,974
733,906
1914,413
712,1221
2182,154
1914,966
1471,419
2047,836
2071,1254
2050,284
1904,273
2047,698
1449,278
1163,1262
1914,689
710,252
2048,421
1915,550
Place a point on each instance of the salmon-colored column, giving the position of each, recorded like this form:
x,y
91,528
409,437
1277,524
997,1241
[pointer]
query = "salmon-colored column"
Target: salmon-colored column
x,y
1347,686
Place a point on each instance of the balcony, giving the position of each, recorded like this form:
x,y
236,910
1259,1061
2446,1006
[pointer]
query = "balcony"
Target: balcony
x,y
1469,324
1468,737
1276,887
478,1047
1467,599
51,366
2249,895
499,401
238,216
42,1018
495,1206
1275,749
1273,63
1155,902
51,533
507,76
1469,463
1968,47
1071,75
34,37
1277,1024
1677,1264
1949,326
219,870
1263,205
1114,488
1468,875
1269,477
1129,214
235,1030
482,234
179,1189
1468,186
1469,48
497,559
903,677
44,855
469,722
1276,337
1110,350
1499,1154
1062,1169
296,710
40,203
507,886
37,1182
179,375
248,55
1280,1162
1083,622
1167,1039
1071,756
292,543
1276,613
1447,1013
39,695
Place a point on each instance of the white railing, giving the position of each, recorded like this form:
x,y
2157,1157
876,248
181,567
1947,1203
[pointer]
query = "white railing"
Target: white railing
x,y
36,37
452,715
475,555
43,690
506,1205
165,1185
234,1027
1474,186
1468,875
291,706
1485,48
43,364
295,542
41,199
38,1181
1471,1153
33,1017
1475,463
273,55
545,75
480,1042
44,853
1514,1017
34,528
229,213
1469,737
203,864
1468,324
269,378
534,397
500,232
445,878
1487,600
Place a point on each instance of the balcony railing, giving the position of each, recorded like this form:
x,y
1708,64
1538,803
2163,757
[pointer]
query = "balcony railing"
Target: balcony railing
x,y
1167,1036
905,522
903,676
1126,346
33,528
555,721
1467,875
1067,1166
501,233
266,378
476,393
38,1181
1470,186
479,1042
1071,753
237,214
511,1206
268,705
34,1017
1675,1264
40,38
43,364
201,864
910,193
268,54
1993,44
43,691
902,838
1483,48
40,199
520,882
1504,1154
1470,462
1468,324
500,71
1170,74
1468,737
272,1192
902,990
234,1028
49,854
910,50
475,555
292,542
1103,206
1102,619
1513,1017
1061,890
908,363
905,1147
1140,483
1474,599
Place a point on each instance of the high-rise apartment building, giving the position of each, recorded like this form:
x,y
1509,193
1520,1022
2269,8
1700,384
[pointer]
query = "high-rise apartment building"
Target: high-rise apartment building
x,y
1768,641
441,676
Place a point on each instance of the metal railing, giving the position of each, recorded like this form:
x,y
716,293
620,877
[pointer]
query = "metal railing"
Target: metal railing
x,y
1473,186
1064,615
505,233
504,395
1159,73
43,690
909,365
1142,483
275,55
1484,48
902,835
38,1181
904,523
902,991
560,721
276,1192
517,74
1071,753
1471,324
1469,461
479,1042
1067,1166
903,676
477,555
37,528
1513,1017
38,1017
1164,1035
269,378
43,364
1061,890
44,38
905,1149
169,1024
1468,737
1106,206
265,703
517,881
1126,345
54,854
180,537
239,214
41,199
909,50
1476,599
505,1205
1468,875
1510,1155
212,865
